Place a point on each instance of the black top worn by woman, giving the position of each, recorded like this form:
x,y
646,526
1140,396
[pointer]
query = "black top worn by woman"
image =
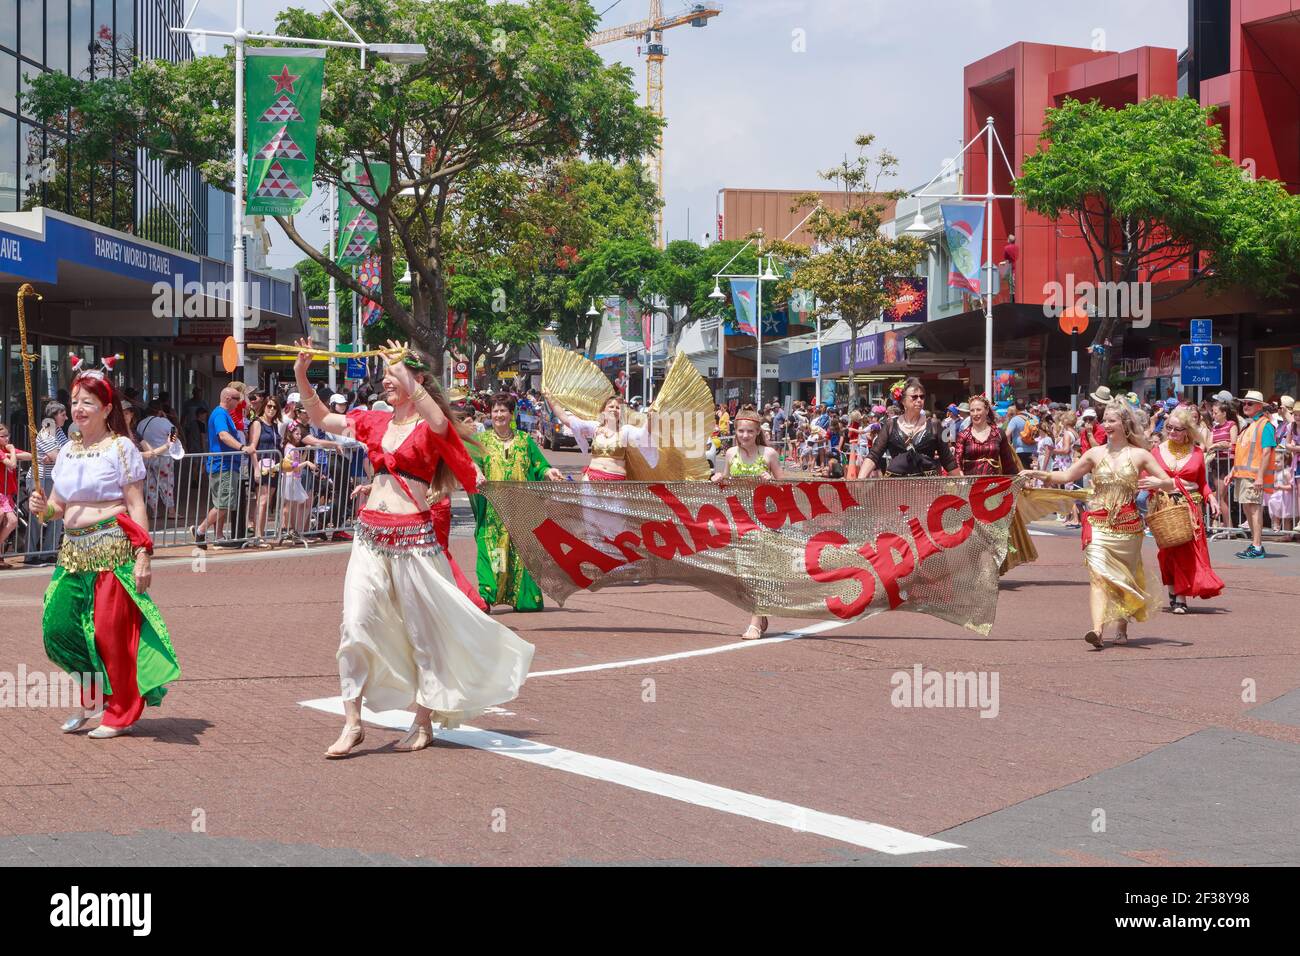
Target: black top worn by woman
x,y
919,455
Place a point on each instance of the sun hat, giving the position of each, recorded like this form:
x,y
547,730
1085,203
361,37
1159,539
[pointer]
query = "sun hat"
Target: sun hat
x,y
1253,396
1089,412
1103,395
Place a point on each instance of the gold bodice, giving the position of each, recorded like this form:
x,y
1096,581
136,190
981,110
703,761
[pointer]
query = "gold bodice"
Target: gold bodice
x,y
1114,486
607,446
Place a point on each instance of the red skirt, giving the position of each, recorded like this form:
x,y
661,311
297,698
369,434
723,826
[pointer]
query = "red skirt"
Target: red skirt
x,y
595,474
1187,570
441,515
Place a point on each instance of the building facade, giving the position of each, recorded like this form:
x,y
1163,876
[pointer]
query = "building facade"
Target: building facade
x,y
100,241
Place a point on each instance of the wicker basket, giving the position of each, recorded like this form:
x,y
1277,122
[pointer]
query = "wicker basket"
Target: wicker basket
x,y
1170,520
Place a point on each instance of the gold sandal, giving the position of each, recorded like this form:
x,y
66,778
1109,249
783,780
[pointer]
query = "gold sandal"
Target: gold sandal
x,y
1094,638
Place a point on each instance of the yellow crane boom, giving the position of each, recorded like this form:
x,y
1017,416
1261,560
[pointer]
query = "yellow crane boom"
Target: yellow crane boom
x,y
651,30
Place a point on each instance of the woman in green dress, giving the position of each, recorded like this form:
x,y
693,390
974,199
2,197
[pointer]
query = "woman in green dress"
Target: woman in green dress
x,y
506,454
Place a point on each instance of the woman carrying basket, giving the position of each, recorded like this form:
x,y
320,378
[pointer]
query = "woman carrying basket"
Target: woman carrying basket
x,y
1185,569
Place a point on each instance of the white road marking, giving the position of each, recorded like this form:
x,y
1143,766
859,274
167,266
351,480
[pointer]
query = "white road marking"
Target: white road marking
x,y
872,836
818,628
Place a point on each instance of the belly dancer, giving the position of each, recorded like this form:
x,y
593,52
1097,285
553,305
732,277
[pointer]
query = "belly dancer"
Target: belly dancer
x,y
99,624
409,636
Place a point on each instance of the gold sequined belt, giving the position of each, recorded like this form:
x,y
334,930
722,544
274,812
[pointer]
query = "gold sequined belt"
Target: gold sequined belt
x,y
102,546
395,535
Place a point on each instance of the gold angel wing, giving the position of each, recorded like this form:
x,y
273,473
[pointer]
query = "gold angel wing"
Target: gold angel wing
x,y
682,415
576,382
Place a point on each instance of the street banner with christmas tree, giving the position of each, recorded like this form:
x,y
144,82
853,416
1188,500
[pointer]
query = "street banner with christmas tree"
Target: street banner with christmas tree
x,y
358,227
282,104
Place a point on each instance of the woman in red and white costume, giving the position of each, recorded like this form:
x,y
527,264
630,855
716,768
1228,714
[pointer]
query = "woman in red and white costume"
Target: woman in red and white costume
x,y
409,636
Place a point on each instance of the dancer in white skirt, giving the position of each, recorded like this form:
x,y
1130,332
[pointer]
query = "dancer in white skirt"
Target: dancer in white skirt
x,y
409,636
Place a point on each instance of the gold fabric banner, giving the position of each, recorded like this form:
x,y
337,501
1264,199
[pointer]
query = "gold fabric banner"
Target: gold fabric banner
x,y
813,549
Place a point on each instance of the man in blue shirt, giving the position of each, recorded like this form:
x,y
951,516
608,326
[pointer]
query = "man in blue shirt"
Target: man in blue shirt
x,y
223,467
1015,432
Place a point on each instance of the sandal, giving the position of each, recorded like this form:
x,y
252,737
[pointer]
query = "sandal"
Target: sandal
x,y
1121,636
354,734
1093,638
752,633
763,626
417,738
1179,606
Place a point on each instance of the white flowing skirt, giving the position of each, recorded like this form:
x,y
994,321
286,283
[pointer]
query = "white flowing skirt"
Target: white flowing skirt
x,y
409,636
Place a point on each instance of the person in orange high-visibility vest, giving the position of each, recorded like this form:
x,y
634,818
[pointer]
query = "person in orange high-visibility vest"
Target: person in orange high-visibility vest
x,y
1253,468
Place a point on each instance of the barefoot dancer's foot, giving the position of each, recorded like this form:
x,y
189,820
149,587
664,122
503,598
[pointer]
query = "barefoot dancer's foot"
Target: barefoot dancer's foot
x,y
419,737
352,735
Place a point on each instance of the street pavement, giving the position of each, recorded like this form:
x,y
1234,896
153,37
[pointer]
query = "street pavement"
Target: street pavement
x,y
648,733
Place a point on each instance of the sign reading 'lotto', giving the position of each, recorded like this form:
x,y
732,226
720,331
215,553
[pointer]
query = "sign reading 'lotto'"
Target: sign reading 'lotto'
x,y
813,549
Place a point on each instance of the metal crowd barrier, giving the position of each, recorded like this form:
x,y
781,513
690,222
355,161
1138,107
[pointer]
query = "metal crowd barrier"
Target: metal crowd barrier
x,y
315,505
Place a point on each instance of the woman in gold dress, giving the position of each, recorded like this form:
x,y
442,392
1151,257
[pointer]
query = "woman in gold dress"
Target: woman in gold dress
x,y
1113,531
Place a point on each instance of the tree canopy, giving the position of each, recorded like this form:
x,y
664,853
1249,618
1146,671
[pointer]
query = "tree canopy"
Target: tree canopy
x,y
506,86
1155,200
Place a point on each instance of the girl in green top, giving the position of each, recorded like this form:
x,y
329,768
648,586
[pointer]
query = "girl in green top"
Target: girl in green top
x,y
751,457
505,454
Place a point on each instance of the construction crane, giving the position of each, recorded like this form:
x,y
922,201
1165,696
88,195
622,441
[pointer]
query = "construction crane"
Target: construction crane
x,y
651,31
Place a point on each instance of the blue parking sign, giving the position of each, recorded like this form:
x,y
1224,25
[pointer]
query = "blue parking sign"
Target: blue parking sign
x,y
1201,364
356,369
1202,331
816,362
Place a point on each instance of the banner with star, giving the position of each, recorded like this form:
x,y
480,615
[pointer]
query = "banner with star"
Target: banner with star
x,y
282,109
358,227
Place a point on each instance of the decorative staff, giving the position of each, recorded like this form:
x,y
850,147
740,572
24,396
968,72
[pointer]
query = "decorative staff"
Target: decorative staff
x,y
326,353
25,291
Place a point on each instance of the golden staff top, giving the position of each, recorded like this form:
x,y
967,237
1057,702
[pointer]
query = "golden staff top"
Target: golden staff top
x,y
326,353
24,291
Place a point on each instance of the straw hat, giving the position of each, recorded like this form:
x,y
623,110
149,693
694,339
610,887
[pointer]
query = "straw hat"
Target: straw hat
x,y
1253,396
1103,396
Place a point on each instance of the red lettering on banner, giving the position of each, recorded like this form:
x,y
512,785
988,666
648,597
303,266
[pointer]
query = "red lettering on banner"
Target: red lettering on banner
x,y
889,569
986,488
744,523
571,553
812,564
934,521
812,491
663,540
786,509
627,541
925,548
708,528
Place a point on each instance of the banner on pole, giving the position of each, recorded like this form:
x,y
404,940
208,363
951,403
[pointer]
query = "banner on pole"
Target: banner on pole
x,y
907,299
963,231
358,227
369,277
629,322
812,549
282,104
744,299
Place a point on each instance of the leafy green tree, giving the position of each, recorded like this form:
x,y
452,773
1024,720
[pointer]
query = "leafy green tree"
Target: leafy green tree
x,y
504,84
853,260
1151,194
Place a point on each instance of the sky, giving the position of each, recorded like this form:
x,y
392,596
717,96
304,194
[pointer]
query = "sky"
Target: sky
x,y
772,91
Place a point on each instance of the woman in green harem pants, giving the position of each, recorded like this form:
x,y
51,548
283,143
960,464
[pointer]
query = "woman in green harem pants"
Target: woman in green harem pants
x,y
507,454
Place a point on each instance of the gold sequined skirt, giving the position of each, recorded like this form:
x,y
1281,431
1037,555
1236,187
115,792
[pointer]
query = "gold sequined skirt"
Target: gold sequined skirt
x,y
100,547
1114,562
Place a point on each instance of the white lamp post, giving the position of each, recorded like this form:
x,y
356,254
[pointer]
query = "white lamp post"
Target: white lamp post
x,y
918,227
398,53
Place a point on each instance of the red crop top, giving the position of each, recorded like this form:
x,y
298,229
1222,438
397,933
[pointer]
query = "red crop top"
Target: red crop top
x,y
419,453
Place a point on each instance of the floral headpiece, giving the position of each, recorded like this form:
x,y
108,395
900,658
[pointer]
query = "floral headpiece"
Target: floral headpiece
x,y
896,390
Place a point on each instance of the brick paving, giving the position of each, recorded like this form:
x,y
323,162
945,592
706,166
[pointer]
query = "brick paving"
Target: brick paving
x,y
229,770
